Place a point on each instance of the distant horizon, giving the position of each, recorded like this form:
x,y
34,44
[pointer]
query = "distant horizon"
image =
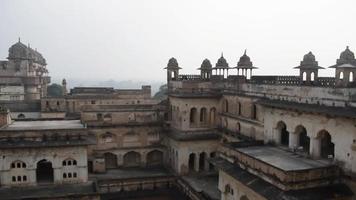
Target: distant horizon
x,y
133,40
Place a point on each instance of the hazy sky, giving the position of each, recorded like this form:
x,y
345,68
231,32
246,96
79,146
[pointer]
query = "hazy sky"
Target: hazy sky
x,y
134,39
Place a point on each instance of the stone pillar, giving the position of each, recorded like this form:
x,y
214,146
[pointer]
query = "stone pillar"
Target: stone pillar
x,y
196,162
293,140
120,160
315,147
143,160
276,136
206,163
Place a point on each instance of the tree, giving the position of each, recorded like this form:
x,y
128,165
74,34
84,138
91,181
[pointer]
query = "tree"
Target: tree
x,y
54,90
162,93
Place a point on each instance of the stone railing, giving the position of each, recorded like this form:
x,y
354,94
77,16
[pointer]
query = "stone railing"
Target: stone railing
x,y
189,77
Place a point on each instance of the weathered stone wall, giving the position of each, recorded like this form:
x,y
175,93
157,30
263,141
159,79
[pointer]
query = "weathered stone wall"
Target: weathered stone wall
x,y
31,156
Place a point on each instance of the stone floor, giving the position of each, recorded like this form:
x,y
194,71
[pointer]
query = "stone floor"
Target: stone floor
x,y
46,191
206,183
131,173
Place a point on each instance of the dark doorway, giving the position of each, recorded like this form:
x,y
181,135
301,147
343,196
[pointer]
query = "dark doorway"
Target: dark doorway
x,y
304,140
327,147
44,172
202,161
284,133
110,160
191,162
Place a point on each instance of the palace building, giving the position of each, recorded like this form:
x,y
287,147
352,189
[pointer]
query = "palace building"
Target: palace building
x,y
221,134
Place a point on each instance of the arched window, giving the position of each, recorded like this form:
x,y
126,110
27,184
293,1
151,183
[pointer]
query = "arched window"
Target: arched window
x,y
254,111
304,76
18,164
69,162
312,76
283,133
327,147
99,116
193,115
225,106
351,77
341,75
203,115
239,108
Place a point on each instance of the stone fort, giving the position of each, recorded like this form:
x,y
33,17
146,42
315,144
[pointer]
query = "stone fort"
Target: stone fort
x,y
221,134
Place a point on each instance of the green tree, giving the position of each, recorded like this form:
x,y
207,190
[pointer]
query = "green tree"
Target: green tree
x,y
54,90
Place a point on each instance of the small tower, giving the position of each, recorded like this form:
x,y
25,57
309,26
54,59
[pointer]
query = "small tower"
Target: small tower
x,y
64,87
244,65
172,69
308,69
345,69
221,66
205,69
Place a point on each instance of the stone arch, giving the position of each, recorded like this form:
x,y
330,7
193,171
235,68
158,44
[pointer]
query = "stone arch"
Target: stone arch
x,y
326,146
304,76
193,116
203,115
110,160
351,77
132,159
107,137
154,158
69,162
282,133
191,162
312,76
21,116
44,172
302,138
18,164
212,118
202,159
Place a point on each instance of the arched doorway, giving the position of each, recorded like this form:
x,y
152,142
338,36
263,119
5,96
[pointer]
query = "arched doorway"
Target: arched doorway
x,y
132,159
304,140
154,158
284,134
110,160
191,162
193,116
202,157
44,172
327,147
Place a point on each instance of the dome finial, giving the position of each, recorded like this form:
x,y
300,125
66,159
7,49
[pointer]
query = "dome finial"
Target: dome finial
x,y
245,52
347,47
222,54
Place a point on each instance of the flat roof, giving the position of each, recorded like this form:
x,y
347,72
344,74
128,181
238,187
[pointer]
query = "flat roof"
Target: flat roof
x,y
43,125
282,159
